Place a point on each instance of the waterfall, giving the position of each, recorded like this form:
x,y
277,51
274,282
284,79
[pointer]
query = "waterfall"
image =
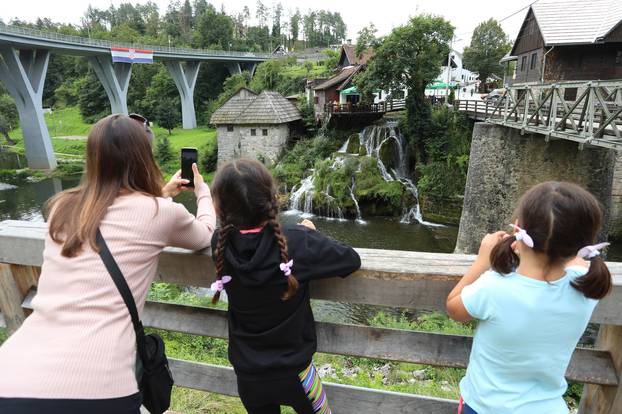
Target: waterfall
x,y
359,217
344,147
304,193
372,138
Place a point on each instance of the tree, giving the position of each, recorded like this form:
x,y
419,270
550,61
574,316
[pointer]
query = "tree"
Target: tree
x,y
268,76
93,101
9,118
163,152
294,25
409,58
366,39
489,44
167,114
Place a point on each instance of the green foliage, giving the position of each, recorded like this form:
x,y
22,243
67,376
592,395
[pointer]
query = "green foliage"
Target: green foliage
x,y
8,111
366,39
209,156
308,116
3,335
93,101
409,57
167,114
489,44
268,76
447,146
163,152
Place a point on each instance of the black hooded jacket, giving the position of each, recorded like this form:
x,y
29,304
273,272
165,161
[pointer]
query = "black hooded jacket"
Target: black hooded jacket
x,y
269,337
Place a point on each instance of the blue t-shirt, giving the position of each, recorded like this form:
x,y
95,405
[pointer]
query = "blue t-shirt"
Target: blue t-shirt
x,y
527,332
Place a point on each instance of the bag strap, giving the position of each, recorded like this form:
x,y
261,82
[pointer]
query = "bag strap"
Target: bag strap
x,y
124,290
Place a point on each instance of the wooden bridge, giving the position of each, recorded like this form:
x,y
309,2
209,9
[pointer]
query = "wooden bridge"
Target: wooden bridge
x,y
358,108
398,279
589,113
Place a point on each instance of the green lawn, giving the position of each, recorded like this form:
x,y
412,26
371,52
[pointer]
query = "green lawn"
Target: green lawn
x,y
68,123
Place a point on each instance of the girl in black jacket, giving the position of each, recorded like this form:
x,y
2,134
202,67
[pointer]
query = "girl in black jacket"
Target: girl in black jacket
x,y
265,270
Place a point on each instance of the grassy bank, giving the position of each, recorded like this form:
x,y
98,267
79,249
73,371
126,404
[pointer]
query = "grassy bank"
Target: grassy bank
x,y
68,133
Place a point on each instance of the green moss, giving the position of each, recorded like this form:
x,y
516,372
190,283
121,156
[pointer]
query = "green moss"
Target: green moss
x,y
353,144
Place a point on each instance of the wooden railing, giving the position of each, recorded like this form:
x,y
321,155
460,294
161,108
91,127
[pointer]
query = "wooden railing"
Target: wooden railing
x,y
351,108
411,280
589,113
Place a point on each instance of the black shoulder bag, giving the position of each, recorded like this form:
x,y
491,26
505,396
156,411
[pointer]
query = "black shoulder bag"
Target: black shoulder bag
x,y
154,377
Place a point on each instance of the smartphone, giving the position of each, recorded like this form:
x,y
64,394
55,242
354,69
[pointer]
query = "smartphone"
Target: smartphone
x,y
188,157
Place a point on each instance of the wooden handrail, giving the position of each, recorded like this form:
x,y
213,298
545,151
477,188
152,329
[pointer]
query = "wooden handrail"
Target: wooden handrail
x,y
392,278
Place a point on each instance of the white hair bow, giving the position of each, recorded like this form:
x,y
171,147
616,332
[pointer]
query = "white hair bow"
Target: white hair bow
x,y
521,235
590,252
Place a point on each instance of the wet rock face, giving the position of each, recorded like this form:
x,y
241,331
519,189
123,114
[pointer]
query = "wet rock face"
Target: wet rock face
x,y
504,164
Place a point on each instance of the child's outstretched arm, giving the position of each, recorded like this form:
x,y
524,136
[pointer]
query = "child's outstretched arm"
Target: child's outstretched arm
x,y
455,307
319,257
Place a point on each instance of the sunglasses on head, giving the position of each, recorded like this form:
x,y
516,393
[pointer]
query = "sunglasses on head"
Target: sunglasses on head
x,y
144,121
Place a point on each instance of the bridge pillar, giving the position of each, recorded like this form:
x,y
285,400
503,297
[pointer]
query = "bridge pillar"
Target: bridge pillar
x,y
504,164
234,68
23,74
185,79
115,78
251,68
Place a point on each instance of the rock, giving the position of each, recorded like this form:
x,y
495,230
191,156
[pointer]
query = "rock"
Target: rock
x,y
327,370
419,374
350,371
445,386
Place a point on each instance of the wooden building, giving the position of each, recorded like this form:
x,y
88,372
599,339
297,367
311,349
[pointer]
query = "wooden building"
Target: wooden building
x,y
562,40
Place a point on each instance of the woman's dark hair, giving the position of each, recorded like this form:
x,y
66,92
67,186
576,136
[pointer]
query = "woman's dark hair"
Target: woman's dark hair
x,y
561,218
119,157
244,194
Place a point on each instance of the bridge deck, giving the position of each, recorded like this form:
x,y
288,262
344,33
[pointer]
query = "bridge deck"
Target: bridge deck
x,y
589,113
32,38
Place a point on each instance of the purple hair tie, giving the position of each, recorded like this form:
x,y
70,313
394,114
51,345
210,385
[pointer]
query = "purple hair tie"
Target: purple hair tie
x,y
590,252
521,235
286,268
219,285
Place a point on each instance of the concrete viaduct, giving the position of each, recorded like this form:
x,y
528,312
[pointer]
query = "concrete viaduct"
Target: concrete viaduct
x,y
25,55
566,131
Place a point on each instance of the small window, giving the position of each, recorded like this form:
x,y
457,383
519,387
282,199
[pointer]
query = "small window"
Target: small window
x,y
264,132
316,99
380,95
253,132
534,57
619,57
229,128
523,64
570,94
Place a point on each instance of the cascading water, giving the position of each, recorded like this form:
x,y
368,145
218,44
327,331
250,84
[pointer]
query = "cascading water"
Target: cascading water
x,y
303,194
373,138
359,217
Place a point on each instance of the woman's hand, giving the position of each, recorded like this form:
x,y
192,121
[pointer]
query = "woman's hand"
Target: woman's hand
x,y
307,223
198,178
174,186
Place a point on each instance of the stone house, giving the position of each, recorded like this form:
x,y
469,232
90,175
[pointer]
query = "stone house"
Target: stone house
x,y
568,40
254,125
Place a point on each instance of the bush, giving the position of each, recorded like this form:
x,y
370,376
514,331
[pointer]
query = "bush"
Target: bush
x,y
209,156
163,150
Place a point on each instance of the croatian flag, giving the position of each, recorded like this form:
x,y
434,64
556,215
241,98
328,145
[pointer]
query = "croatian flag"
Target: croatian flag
x,y
122,54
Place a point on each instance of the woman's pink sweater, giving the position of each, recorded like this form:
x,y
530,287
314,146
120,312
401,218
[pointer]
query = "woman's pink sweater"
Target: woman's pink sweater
x,y
79,342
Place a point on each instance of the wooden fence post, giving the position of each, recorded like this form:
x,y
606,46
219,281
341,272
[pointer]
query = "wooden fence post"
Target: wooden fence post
x,y
10,299
605,399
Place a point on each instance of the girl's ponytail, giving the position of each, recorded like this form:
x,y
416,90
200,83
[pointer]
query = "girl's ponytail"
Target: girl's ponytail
x,y
292,282
596,283
220,256
502,258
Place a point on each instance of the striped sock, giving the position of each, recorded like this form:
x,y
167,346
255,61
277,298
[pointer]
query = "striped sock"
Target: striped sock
x,y
312,384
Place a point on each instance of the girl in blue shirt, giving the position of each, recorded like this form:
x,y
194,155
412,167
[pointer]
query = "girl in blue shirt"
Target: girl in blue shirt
x,y
533,304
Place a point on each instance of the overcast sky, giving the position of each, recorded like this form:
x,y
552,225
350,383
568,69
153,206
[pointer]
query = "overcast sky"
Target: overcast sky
x,y
385,14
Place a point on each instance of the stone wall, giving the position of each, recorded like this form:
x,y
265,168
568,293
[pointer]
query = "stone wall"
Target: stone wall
x,y
504,164
240,143
615,227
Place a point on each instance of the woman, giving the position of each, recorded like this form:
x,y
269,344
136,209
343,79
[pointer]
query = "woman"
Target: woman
x,y
76,353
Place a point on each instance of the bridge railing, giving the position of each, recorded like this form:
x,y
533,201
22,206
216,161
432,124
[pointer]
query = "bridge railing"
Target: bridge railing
x,y
411,280
87,41
589,113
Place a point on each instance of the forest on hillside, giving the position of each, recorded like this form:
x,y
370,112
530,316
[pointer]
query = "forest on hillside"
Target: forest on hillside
x,y
70,81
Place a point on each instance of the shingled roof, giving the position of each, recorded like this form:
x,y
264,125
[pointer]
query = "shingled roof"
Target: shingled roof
x,y
342,79
571,22
250,109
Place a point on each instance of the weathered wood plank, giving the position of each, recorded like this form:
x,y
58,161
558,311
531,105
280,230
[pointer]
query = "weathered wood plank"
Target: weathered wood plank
x,y
387,278
342,398
606,399
586,365
10,299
